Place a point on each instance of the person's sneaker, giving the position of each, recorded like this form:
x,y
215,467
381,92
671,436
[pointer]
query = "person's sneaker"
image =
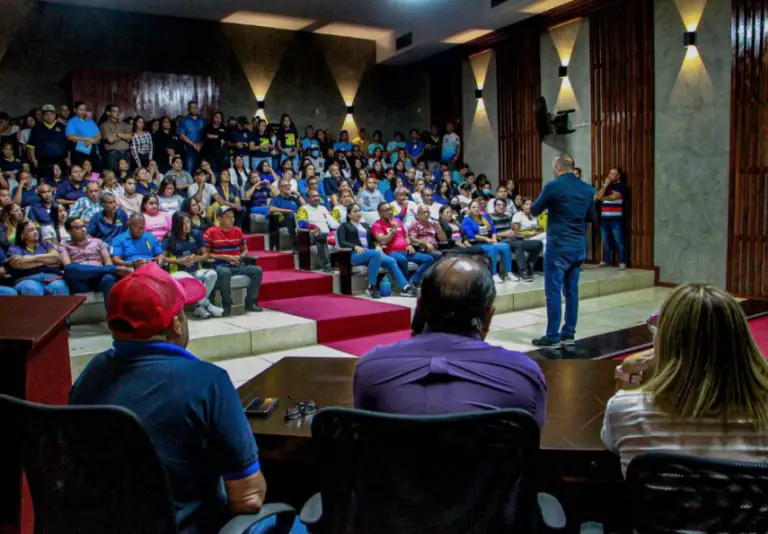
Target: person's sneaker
x,y
253,308
622,266
201,312
602,264
547,342
497,279
373,292
568,341
227,312
408,291
526,277
214,310
511,277
327,269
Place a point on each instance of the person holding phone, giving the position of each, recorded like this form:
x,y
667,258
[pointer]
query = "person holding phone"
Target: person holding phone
x,y
136,247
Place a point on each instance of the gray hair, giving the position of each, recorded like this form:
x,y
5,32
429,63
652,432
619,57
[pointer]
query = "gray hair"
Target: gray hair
x,y
401,190
565,162
105,195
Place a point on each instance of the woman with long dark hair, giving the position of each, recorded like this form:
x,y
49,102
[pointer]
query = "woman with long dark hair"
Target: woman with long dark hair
x,y
35,265
194,210
288,141
185,250
156,222
141,144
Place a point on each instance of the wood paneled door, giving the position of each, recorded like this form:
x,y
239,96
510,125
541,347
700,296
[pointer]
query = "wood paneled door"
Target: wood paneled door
x,y
748,181
622,98
518,68
150,94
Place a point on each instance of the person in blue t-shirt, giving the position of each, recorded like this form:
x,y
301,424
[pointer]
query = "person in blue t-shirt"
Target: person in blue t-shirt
x,y
10,165
190,130
136,247
285,205
26,193
85,134
451,148
375,143
35,265
415,147
394,146
288,141
309,138
189,407
110,222
343,143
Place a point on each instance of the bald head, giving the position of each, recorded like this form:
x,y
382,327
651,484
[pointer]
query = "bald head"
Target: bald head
x,y
457,296
563,163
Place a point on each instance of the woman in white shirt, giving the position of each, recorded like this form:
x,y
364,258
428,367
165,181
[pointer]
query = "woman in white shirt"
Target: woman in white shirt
x,y
709,392
527,225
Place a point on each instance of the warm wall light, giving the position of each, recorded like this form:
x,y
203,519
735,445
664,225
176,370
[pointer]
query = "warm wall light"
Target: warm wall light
x,y
350,110
689,39
260,103
562,71
479,94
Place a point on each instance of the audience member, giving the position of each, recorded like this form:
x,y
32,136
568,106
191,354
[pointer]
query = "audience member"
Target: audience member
x,y
256,194
447,367
86,261
156,222
84,134
240,171
527,251
190,130
47,144
202,190
228,194
136,247
402,208
370,198
180,177
425,234
286,206
287,141
215,143
167,145
708,395
226,246
130,201
57,232
87,207
170,201
260,145
10,165
144,186
41,211
117,137
239,139
315,217
6,290
25,193
12,215
197,218
110,183
480,230
123,170
526,225
5,197
611,197
69,191
150,372
391,234
109,222
185,251
340,210
35,266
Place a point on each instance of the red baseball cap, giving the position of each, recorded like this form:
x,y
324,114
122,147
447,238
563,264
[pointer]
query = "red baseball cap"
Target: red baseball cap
x,y
149,298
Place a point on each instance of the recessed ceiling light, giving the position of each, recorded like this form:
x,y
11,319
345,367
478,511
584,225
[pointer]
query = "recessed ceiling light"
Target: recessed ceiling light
x,y
341,29
466,36
267,20
542,6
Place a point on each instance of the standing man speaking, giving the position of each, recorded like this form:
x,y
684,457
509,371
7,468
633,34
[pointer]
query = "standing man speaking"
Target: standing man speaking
x,y
570,204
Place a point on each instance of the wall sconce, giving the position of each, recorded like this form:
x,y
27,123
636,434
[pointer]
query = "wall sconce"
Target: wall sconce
x,y
562,70
689,39
260,104
478,94
350,110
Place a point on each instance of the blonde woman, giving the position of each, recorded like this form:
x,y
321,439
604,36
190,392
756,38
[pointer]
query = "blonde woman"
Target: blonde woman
x,y
709,392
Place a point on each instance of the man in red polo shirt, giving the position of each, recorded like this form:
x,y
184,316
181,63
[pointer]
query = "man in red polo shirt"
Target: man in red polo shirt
x,y
226,246
391,235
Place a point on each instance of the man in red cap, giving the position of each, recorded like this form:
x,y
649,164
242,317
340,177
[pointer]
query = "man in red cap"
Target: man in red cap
x,y
189,407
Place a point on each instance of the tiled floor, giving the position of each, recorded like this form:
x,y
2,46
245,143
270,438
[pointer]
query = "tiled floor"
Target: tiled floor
x,y
513,331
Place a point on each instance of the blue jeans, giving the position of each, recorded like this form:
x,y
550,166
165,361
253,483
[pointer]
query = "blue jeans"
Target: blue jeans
x,y
40,284
294,161
256,161
374,259
191,159
261,210
6,291
615,228
561,274
424,261
494,251
85,278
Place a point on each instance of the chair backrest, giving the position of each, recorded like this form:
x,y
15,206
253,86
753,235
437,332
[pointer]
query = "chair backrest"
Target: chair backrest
x,y
425,474
671,493
90,470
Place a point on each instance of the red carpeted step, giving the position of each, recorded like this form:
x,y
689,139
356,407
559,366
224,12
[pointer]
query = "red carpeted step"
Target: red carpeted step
x,y
340,317
289,284
255,242
362,345
273,261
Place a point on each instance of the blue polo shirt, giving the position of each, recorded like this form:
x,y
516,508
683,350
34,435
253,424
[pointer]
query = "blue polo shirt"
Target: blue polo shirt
x,y
287,203
128,249
344,147
239,136
28,196
49,140
571,204
416,148
101,228
192,128
40,214
144,191
41,248
234,193
191,246
82,128
69,191
192,414
12,165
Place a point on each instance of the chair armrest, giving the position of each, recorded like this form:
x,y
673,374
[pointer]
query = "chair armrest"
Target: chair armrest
x,y
552,513
343,262
240,524
304,244
312,511
274,231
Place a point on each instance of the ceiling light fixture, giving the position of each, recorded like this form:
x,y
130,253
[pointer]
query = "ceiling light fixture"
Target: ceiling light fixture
x,y
268,20
466,36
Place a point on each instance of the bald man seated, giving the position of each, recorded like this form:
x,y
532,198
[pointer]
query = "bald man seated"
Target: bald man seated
x,y
447,367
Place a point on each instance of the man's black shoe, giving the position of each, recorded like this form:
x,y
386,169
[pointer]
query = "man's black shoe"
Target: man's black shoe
x,y
253,308
568,341
526,277
227,312
547,342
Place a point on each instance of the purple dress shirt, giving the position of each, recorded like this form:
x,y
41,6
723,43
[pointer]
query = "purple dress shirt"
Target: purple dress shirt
x,y
435,373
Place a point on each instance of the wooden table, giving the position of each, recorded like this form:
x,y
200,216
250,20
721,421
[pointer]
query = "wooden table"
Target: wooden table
x,y
570,441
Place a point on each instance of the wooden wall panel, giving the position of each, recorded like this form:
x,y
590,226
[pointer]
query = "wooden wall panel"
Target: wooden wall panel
x,y
748,181
150,94
519,87
622,97
445,93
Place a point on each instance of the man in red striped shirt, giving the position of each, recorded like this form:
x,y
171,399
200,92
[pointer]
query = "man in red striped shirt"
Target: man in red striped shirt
x,y
611,195
226,246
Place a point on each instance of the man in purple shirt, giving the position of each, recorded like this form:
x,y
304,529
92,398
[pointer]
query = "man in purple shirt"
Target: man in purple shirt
x,y
447,367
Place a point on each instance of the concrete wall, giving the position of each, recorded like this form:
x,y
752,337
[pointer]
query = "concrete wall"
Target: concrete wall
x,y
480,121
692,142
570,43
305,74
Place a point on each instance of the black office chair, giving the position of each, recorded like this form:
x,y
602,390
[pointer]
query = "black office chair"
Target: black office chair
x,y
93,470
671,493
432,474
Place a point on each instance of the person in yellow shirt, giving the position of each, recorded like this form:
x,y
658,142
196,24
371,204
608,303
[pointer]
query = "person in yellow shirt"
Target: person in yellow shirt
x,y
362,141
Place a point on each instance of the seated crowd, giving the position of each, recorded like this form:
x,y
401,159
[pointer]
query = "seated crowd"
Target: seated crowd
x,y
413,198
